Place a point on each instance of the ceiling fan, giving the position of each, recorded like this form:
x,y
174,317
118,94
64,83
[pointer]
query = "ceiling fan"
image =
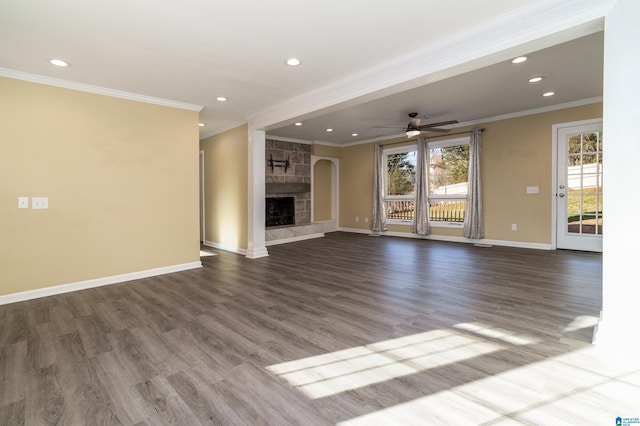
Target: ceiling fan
x,y
414,128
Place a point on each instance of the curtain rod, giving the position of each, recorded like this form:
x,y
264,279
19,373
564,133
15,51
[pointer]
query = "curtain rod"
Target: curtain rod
x,y
433,137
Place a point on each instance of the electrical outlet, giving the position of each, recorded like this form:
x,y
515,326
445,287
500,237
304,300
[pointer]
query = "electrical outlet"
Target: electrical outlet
x,y
357,219
514,227
39,203
366,219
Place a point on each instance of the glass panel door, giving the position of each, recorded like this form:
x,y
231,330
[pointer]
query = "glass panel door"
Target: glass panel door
x,y
584,184
579,193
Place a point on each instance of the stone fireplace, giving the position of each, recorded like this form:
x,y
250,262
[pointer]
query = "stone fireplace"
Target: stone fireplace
x,y
288,176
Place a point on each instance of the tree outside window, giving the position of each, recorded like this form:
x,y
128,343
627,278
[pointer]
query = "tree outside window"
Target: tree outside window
x,y
448,174
401,173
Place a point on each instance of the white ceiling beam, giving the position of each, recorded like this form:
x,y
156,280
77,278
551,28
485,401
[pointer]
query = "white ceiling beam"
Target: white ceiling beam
x,y
535,26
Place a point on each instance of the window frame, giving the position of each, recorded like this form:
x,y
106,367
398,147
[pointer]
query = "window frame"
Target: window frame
x,y
385,153
466,140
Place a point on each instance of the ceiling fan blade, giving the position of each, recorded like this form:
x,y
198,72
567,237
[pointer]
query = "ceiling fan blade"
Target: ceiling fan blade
x,y
442,123
388,127
435,129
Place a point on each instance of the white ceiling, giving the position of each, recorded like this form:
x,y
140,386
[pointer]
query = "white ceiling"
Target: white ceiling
x,y
573,70
192,51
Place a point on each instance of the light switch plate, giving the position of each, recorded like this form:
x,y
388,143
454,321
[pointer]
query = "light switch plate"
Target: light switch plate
x,y
38,203
23,202
532,190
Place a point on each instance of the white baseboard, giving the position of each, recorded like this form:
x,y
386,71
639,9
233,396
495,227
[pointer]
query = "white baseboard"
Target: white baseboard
x,y
329,225
292,239
504,243
356,230
257,253
98,282
225,248
597,331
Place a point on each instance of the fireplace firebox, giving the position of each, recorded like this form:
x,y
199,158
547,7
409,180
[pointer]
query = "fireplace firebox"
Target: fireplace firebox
x,y
280,211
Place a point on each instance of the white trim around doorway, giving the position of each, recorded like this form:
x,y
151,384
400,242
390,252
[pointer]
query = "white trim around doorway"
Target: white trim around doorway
x,y
555,129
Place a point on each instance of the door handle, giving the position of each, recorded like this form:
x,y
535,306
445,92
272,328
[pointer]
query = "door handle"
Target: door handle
x,y
560,195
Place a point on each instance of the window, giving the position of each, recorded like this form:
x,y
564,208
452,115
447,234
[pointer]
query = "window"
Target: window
x,y
400,184
448,174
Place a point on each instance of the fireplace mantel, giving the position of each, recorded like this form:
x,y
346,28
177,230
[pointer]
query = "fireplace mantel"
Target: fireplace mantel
x,y
287,188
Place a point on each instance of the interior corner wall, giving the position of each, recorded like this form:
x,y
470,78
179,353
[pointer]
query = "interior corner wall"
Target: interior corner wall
x,y
356,185
226,188
516,153
121,178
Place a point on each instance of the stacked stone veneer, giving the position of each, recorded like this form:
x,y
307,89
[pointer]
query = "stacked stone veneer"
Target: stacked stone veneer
x,y
299,171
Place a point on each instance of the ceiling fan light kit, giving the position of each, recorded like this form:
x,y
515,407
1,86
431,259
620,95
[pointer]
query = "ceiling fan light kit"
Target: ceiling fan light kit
x,y
414,128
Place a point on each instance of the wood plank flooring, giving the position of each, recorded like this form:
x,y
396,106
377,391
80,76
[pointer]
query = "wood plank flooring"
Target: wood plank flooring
x,y
324,331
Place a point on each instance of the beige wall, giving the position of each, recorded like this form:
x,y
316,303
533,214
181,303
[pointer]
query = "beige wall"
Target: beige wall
x,y
516,154
326,150
226,188
322,190
356,185
122,182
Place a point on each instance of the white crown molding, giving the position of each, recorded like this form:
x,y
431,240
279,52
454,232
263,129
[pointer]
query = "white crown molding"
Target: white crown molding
x,y
304,141
451,239
534,25
285,139
338,145
510,115
98,282
533,111
66,84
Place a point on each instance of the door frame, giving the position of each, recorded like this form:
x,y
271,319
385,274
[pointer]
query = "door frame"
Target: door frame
x,y
202,205
555,129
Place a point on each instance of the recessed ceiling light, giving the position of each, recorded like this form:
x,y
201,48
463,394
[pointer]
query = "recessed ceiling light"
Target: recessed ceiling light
x,y
59,63
535,79
548,93
221,99
201,124
329,130
297,123
354,134
519,59
293,62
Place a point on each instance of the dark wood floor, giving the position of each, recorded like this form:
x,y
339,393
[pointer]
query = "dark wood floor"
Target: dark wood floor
x,y
320,332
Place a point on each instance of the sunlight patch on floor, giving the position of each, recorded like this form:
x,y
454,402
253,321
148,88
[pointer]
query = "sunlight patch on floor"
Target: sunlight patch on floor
x,y
587,386
495,332
580,322
205,253
353,368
